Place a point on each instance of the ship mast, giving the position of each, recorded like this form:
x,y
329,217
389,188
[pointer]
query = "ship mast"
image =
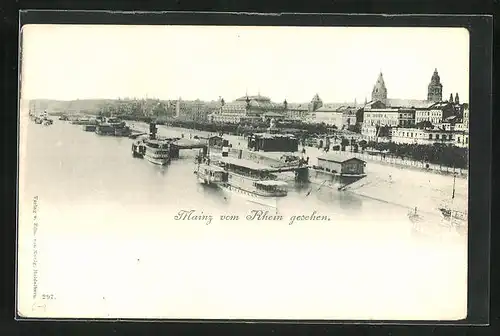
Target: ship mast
x,y
452,197
454,180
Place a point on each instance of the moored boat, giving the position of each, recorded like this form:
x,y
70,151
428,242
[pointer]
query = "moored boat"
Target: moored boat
x,y
244,178
84,121
89,128
138,149
157,151
47,121
112,126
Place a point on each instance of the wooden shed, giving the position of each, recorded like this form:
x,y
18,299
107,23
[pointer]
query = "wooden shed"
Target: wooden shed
x,y
343,164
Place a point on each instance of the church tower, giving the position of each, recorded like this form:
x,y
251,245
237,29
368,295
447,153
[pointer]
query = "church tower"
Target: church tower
x,y
435,88
315,103
379,90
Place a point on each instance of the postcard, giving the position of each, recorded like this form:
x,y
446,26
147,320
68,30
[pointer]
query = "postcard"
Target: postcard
x,y
243,172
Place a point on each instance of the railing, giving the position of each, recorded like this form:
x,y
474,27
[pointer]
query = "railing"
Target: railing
x,y
407,163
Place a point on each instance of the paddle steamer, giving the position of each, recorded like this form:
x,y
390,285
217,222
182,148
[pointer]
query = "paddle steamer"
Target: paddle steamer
x,y
254,182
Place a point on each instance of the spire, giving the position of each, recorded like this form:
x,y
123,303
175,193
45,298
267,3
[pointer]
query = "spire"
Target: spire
x,y
435,79
379,92
451,98
457,99
435,88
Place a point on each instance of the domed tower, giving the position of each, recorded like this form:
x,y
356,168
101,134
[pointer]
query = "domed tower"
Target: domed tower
x,y
379,90
435,88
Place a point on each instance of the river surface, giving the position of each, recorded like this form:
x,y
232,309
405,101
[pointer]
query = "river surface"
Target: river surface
x,y
108,244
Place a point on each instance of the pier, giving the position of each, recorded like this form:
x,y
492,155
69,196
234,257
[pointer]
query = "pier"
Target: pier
x,y
179,144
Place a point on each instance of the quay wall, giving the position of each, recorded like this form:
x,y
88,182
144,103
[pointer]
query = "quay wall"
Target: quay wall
x,y
398,184
422,189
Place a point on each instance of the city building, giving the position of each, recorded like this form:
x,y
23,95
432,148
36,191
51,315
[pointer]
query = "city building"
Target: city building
x,y
334,115
422,136
462,129
462,139
297,111
434,94
248,109
303,111
195,110
436,113
406,113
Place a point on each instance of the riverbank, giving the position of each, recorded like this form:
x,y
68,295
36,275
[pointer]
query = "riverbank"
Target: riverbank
x,y
404,186
417,192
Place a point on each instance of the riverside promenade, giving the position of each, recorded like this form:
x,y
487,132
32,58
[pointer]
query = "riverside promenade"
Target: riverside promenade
x,y
404,185
408,187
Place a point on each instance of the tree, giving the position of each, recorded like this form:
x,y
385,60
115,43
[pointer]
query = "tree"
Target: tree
x,y
363,144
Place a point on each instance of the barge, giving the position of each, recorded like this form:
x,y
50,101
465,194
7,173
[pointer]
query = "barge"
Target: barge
x,y
112,126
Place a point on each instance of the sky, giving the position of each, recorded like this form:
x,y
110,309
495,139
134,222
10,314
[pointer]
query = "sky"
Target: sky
x,y
341,64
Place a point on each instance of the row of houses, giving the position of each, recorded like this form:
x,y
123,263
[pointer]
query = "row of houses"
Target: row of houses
x,y
447,122
250,109
401,120
454,137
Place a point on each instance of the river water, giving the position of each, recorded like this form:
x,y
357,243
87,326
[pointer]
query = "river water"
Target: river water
x,y
108,244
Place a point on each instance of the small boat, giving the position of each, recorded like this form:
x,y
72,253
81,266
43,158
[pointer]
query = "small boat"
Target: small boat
x,y
47,121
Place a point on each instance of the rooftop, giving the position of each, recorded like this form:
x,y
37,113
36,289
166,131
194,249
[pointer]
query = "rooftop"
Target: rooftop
x,y
330,107
334,157
187,142
298,106
257,97
243,163
418,103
